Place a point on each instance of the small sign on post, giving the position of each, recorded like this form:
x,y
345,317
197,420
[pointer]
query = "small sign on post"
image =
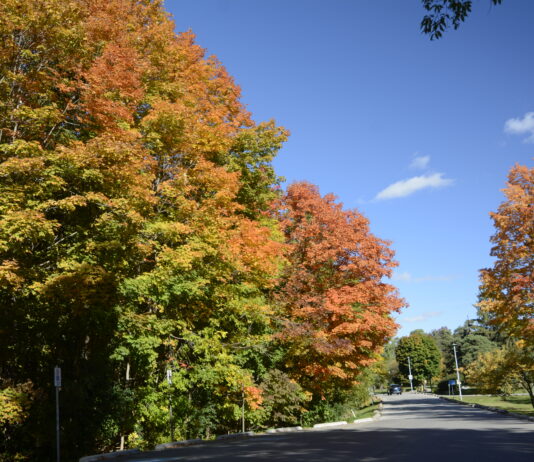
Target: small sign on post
x,y
169,376
57,376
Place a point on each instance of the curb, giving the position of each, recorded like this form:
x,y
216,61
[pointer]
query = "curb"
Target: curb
x,y
330,424
284,430
367,419
177,444
235,436
109,455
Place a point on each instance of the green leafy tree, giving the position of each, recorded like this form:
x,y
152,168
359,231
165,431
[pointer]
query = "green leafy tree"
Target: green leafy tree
x,y
444,340
471,339
283,399
425,357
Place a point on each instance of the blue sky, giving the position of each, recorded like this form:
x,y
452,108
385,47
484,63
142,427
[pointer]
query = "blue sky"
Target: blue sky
x,y
417,135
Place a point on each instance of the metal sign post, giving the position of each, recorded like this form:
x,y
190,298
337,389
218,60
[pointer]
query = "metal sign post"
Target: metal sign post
x,y
243,408
57,384
169,381
410,372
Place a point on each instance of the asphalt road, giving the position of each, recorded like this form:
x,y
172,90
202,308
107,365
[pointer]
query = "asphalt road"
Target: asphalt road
x,y
414,428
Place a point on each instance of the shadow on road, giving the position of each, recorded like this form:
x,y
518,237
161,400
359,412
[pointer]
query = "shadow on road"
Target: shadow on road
x,y
376,445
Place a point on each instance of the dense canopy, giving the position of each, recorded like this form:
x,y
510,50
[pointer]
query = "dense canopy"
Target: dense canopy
x,y
143,229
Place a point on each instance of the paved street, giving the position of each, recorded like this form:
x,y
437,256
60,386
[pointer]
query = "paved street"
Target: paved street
x,y
412,428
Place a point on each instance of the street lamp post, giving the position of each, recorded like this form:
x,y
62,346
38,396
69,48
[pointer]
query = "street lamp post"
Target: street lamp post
x,y
410,376
457,372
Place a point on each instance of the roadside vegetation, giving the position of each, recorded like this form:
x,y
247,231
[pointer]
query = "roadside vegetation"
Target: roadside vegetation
x,y
147,247
517,404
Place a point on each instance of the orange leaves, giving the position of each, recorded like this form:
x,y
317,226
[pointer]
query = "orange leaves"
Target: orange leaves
x,y
113,85
259,253
254,397
333,292
507,289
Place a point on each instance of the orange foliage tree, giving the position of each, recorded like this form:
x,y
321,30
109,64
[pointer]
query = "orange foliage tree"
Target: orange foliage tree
x,y
337,306
507,289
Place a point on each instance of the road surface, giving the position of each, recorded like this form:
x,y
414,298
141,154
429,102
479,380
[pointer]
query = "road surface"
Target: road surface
x,y
414,428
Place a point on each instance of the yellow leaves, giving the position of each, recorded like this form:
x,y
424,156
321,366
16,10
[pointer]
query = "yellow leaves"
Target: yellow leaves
x,y
14,404
81,285
26,229
20,149
18,169
173,260
170,233
69,204
9,275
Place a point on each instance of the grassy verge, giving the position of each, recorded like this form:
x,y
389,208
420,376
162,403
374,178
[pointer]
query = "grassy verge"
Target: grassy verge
x,y
517,404
352,414
365,412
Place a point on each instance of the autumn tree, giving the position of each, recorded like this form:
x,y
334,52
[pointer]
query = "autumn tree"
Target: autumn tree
x,y
503,370
132,237
425,357
336,305
507,288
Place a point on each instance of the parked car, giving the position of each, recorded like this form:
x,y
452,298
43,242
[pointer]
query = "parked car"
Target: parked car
x,y
394,389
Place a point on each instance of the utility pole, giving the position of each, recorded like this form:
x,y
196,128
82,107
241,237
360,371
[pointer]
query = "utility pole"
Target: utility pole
x,y
410,372
457,372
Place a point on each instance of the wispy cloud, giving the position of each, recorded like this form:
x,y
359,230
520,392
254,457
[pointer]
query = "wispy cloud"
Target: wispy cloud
x,y
408,277
405,277
423,317
420,162
521,127
407,187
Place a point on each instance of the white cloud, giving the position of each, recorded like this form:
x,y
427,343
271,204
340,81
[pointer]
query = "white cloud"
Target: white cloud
x,y
408,277
420,162
407,187
521,127
423,317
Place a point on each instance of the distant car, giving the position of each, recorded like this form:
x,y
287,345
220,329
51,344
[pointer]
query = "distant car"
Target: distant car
x,y
394,389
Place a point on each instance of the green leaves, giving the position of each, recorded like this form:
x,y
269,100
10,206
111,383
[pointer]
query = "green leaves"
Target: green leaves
x,y
444,14
136,236
425,357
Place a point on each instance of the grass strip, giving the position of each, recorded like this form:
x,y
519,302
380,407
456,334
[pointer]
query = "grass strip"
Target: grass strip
x,y
516,404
